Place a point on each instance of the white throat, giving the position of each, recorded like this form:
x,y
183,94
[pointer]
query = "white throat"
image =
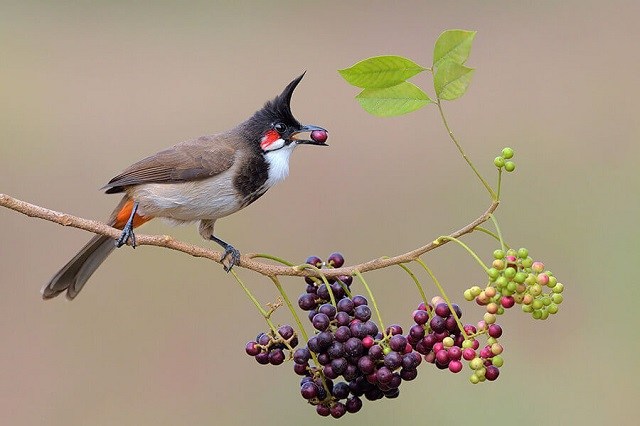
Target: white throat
x,y
278,164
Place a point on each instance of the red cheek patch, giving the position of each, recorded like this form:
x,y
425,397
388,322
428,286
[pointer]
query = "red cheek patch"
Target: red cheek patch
x,y
270,137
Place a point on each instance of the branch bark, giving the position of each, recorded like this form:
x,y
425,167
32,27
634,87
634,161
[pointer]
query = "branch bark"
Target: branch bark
x,y
246,260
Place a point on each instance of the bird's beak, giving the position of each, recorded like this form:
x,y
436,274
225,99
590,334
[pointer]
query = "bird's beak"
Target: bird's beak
x,y
310,135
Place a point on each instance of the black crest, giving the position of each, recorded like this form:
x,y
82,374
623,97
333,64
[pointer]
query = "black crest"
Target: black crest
x,y
276,110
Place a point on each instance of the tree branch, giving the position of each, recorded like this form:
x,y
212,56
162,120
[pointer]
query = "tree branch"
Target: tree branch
x,y
247,260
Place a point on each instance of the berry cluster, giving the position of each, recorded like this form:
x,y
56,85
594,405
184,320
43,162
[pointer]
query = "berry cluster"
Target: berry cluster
x,y
436,334
501,160
348,345
268,348
516,278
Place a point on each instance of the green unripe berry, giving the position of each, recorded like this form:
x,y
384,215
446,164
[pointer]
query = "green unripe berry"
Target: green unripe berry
x,y
496,348
476,363
552,308
475,290
537,304
447,342
537,314
545,314
509,166
526,263
498,254
500,310
474,379
557,298
498,361
467,295
510,272
507,153
523,253
489,318
498,264
558,288
520,277
511,252
480,372
530,280
535,290
386,350
491,341
467,343
511,287
499,162
502,282
552,281
546,300
527,308
493,274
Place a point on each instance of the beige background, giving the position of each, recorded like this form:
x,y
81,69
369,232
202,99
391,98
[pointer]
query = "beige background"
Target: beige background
x,y
158,337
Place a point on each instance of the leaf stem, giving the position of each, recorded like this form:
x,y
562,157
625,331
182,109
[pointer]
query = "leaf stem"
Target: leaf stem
x,y
373,299
444,296
455,141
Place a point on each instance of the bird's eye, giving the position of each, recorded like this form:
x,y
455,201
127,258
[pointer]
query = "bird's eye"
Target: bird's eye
x,y
280,127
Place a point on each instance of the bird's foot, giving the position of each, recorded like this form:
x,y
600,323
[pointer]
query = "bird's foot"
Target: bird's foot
x,y
234,257
230,251
127,232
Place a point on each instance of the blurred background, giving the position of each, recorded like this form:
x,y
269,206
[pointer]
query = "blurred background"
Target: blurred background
x,y
157,337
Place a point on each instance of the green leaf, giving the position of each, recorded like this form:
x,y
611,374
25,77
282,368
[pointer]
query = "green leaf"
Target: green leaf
x,y
380,71
396,100
454,46
452,80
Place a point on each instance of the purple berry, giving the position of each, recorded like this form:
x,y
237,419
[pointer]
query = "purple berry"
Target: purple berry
x,y
359,300
354,404
319,136
252,348
362,312
492,373
314,260
495,330
336,260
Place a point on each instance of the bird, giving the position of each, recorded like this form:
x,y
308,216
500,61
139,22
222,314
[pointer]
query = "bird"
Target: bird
x,y
199,180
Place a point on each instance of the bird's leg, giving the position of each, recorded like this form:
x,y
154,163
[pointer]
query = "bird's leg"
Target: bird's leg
x,y
127,231
229,250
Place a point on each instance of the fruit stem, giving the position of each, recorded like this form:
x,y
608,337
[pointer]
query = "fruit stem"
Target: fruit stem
x,y
415,280
373,299
445,297
264,313
455,141
284,295
324,279
495,223
499,182
486,231
271,257
466,247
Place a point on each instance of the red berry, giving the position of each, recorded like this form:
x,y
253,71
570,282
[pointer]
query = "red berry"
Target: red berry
x,y
507,301
455,366
319,135
495,330
468,354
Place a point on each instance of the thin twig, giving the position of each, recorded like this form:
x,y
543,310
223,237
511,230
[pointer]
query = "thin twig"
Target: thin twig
x,y
246,260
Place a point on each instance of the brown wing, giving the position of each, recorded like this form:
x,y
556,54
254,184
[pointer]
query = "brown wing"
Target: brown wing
x,y
187,161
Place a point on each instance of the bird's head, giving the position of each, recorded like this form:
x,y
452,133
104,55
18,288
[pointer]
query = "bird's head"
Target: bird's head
x,y
274,127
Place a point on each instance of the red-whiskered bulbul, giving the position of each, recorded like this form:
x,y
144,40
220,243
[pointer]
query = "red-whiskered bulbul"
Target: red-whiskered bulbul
x,y
198,180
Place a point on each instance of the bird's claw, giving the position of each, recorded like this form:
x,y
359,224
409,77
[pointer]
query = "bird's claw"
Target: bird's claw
x,y
234,257
126,235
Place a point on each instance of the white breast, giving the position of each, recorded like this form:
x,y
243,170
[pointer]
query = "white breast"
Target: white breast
x,y
278,164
